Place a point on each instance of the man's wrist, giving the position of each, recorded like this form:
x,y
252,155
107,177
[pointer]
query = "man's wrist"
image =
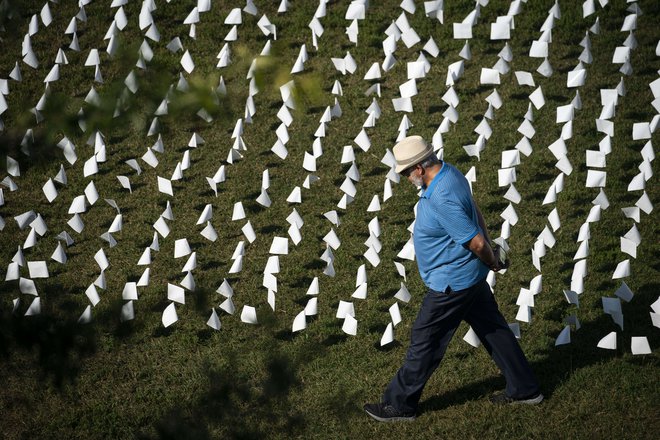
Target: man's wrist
x,y
493,264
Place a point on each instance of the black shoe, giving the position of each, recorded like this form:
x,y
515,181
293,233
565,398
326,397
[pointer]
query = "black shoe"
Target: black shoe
x,y
503,399
386,413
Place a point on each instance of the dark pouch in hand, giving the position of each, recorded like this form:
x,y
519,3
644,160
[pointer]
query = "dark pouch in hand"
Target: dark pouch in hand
x,y
504,259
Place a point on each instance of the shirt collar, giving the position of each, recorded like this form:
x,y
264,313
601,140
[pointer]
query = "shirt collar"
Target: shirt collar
x,y
426,193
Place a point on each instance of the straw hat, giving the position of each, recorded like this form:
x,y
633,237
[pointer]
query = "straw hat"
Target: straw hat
x,y
411,151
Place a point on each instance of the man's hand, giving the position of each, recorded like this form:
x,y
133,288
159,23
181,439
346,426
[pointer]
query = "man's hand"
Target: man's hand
x,y
501,258
490,256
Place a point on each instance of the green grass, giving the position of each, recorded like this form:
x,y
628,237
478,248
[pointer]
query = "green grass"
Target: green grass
x,y
139,380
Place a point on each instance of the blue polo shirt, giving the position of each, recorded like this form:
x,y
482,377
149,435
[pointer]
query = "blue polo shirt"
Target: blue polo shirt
x,y
446,221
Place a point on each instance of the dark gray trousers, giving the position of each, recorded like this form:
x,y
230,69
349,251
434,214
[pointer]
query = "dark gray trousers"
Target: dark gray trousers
x,y
437,320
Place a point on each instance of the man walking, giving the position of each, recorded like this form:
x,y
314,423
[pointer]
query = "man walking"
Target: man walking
x,y
454,257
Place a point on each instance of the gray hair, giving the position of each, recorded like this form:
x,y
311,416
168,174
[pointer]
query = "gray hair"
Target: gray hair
x,y
430,161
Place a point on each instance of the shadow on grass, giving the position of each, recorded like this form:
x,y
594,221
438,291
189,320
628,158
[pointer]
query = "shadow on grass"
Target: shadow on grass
x,y
60,346
461,395
240,403
237,405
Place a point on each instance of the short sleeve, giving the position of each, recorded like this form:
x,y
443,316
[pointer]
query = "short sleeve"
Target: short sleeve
x,y
458,224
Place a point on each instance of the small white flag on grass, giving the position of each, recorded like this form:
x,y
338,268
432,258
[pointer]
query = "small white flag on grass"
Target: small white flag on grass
x,y
209,232
264,199
127,312
169,315
238,212
311,308
248,314
27,286
564,337
350,325
608,342
59,255
345,309
624,292
101,259
403,294
49,190
279,246
388,335
472,338
237,265
332,239
144,278
360,292
214,320
130,291
248,231
165,186
524,314
174,293
225,289
35,307
622,270
181,248
38,269
93,295
395,314
640,345
228,306
86,316
313,288
206,215
299,322
161,228
372,256
572,297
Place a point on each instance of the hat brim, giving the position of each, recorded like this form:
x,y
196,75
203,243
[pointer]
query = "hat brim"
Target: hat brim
x,y
404,166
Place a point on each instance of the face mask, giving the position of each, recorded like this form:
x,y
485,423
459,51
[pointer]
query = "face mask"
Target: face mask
x,y
417,181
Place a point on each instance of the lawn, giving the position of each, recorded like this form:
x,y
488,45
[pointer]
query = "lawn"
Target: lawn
x,y
69,376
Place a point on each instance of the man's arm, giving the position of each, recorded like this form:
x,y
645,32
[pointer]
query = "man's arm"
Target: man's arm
x,y
482,223
480,244
481,248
